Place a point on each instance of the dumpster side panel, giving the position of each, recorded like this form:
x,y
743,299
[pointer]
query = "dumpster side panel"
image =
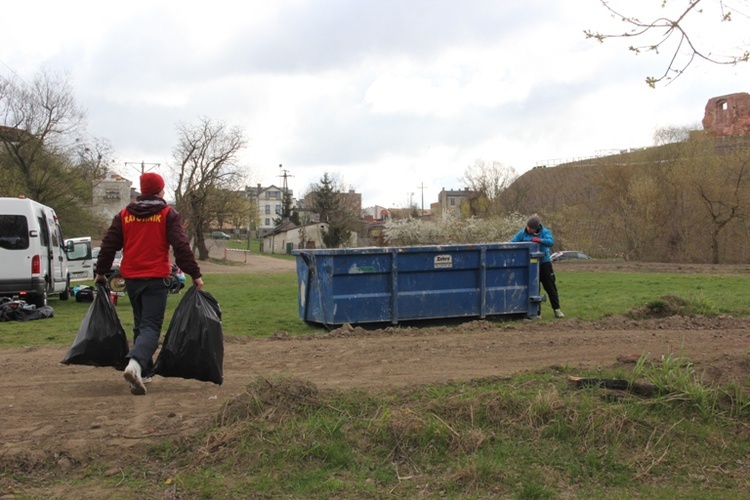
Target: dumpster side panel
x,y
362,299
362,287
437,282
338,286
508,280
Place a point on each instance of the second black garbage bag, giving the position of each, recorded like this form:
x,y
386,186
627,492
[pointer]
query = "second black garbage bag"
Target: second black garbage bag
x,y
193,346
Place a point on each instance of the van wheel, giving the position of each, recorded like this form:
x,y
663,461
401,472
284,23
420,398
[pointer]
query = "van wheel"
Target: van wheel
x,y
39,300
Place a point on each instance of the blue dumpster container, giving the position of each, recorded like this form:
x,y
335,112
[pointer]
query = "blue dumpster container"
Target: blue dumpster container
x,y
393,284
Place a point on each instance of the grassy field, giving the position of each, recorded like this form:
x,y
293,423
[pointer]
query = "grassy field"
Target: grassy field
x,y
528,436
259,305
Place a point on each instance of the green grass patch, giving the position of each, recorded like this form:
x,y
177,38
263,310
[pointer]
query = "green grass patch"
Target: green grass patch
x,y
254,305
252,245
594,295
260,305
530,436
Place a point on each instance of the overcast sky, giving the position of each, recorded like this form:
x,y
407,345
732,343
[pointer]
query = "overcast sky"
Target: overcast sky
x,y
394,97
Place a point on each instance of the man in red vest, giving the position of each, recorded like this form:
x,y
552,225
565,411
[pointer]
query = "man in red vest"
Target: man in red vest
x,y
144,231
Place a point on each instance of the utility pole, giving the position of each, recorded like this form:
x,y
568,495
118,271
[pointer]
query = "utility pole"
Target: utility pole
x,y
141,167
421,186
285,190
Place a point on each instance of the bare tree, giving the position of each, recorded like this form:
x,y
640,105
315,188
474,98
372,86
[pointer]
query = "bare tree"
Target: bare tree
x,y
206,160
488,181
45,152
723,186
674,34
673,145
94,158
41,120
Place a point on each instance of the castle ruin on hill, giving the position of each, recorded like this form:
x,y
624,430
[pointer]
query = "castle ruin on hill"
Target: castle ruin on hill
x,y
728,115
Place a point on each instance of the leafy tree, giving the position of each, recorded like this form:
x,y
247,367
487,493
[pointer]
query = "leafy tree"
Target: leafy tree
x,y
230,207
335,208
287,211
206,162
673,31
326,200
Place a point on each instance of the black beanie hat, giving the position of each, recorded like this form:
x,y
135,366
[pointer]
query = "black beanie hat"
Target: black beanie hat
x,y
534,223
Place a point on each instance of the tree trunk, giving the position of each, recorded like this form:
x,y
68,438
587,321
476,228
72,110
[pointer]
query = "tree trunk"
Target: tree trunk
x,y
715,247
200,242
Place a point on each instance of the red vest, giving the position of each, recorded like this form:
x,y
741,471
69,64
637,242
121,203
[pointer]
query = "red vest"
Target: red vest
x,y
145,251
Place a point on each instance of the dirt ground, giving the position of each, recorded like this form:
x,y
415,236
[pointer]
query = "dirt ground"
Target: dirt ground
x,y
78,413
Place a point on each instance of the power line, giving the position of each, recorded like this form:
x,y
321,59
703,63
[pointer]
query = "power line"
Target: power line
x,y
14,72
142,165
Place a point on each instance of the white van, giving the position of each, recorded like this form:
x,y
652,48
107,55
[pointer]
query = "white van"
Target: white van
x,y
32,253
80,258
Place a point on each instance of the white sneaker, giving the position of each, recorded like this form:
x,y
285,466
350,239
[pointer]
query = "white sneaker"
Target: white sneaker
x,y
133,375
559,313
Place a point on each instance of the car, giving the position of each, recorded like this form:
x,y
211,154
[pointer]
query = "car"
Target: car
x,y
220,235
115,263
569,255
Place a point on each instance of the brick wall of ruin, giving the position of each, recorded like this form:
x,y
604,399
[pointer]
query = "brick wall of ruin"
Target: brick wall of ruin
x,y
728,115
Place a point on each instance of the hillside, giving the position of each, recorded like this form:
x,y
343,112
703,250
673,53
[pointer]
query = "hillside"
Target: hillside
x,y
679,202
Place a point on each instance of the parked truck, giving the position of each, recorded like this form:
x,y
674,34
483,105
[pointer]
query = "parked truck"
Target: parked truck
x,y
33,264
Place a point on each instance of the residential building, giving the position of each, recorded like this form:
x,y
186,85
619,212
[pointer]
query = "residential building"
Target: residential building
x,y
450,201
269,201
110,195
376,214
288,237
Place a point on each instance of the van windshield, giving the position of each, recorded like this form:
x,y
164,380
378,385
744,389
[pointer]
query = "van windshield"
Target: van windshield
x,y
14,232
81,251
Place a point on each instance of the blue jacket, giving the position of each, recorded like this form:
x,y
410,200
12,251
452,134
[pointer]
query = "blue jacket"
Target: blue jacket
x,y
544,234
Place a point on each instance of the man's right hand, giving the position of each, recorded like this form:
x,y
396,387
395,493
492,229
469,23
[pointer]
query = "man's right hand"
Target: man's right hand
x,y
199,283
101,279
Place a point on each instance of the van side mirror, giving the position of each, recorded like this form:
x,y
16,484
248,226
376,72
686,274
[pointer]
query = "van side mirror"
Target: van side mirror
x,y
69,247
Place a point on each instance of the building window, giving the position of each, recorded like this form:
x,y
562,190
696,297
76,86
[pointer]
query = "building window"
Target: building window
x,y
268,222
268,209
453,201
274,195
722,115
278,209
112,194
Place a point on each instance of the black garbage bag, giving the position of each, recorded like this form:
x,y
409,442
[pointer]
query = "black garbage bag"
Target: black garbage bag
x,y
101,339
19,310
194,344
